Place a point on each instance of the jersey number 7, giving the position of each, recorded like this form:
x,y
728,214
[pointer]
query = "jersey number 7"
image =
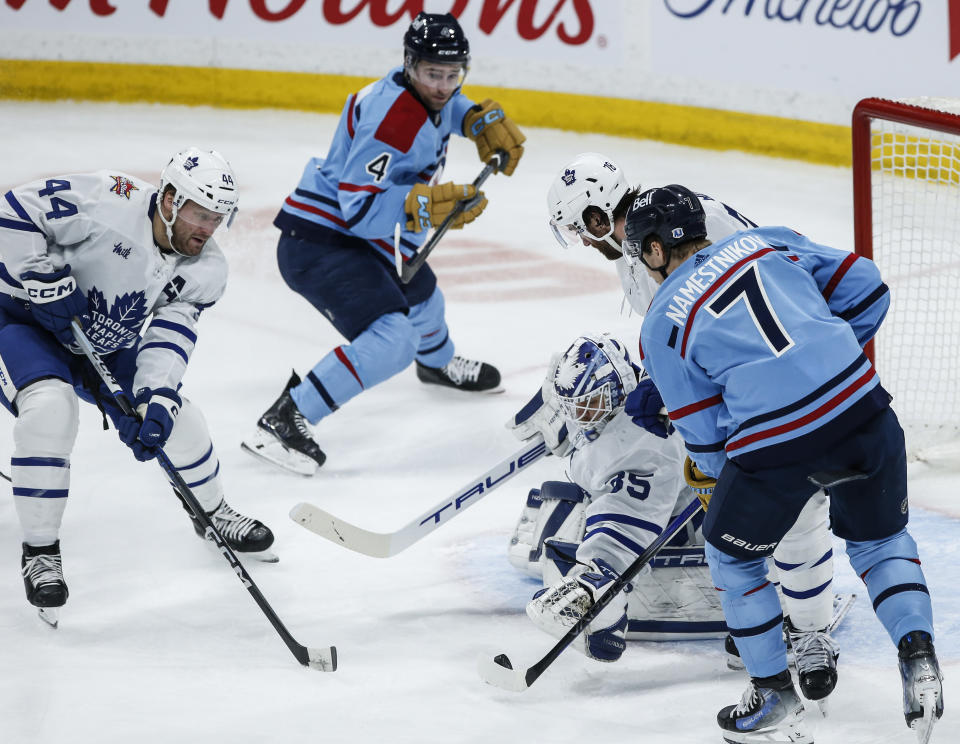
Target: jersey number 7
x,y
748,286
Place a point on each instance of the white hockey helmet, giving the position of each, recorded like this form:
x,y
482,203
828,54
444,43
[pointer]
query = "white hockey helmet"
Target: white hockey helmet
x,y
592,380
589,180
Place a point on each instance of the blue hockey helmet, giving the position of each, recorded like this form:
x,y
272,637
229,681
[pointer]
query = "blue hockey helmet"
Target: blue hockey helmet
x,y
592,380
671,214
435,37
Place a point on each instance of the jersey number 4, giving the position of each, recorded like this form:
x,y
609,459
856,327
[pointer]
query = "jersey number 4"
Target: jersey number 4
x,y
61,207
378,166
748,286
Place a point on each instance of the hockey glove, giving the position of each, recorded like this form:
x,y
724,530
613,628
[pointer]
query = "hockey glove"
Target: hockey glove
x,y
55,299
558,608
491,130
428,206
542,415
701,483
645,408
158,410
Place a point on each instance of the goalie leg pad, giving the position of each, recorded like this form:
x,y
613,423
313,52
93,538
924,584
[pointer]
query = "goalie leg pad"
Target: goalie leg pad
x,y
561,514
43,437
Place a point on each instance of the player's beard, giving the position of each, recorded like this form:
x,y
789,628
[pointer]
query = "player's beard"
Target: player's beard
x,y
188,240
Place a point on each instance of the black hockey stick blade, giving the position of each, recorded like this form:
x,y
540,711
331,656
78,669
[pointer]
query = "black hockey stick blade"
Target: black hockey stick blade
x,y
499,670
410,268
322,659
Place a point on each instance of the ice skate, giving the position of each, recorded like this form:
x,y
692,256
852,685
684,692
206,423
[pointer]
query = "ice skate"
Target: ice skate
x,y
245,535
43,579
816,658
769,711
463,374
283,436
922,689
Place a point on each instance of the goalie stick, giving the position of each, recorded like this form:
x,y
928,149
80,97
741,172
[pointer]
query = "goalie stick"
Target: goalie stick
x,y
407,270
322,659
499,671
387,544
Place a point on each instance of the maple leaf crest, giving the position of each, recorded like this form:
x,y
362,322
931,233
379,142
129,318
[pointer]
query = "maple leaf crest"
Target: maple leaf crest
x,y
568,372
129,310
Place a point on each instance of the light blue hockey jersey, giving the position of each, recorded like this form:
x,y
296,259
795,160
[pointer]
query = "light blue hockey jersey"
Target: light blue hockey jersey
x,y
386,141
755,344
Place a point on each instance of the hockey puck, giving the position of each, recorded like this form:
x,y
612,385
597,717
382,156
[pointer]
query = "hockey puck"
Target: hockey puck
x,y
503,661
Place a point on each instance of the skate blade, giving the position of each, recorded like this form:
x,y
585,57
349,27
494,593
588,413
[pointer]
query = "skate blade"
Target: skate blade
x,y
264,446
923,727
791,730
49,615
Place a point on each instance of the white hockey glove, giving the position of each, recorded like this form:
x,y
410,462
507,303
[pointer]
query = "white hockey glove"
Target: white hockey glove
x,y
542,415
558,608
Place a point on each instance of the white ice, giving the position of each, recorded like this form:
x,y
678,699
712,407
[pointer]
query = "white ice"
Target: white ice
x,y
159,642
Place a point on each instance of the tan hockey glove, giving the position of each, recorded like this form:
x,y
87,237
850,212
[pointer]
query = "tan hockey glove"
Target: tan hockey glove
x,y
491,130
428,206
701,484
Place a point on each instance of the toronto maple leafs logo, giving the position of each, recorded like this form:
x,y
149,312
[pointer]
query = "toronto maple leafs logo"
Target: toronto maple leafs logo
x,y
569,176
115,326
122,186
568,374
191,163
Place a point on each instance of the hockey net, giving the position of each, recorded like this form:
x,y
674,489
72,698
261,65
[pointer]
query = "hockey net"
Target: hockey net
x,y
906,168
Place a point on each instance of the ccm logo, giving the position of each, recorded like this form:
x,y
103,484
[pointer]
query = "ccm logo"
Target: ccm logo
x,y
50,292
737,542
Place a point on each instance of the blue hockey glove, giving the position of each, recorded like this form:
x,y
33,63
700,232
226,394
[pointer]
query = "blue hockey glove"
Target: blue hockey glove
x,y
55,299
158,410
644,406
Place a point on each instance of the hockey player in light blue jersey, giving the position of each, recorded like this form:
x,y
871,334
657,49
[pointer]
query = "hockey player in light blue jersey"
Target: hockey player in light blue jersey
x,y
137,265
337,243
755,343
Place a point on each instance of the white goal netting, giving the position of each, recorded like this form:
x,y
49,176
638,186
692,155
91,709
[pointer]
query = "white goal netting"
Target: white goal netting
x,y
913,156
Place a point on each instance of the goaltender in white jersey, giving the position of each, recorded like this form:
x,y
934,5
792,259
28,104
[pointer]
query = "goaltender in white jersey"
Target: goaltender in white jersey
x,y
136,265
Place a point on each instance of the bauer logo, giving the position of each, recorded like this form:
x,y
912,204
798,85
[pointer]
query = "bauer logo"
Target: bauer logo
x,y
487,484
748,546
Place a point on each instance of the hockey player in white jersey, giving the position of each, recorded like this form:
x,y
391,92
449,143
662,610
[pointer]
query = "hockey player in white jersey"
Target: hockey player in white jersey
x,y
587,203
624,486
136,265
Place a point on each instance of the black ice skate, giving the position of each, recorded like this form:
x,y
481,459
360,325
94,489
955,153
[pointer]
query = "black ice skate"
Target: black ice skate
x,y
245,535
283,436
769,711
43,579
816,657
922,691
463,374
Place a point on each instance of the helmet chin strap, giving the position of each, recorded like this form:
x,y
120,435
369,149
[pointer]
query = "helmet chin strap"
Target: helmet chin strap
x,y
168,224
662,268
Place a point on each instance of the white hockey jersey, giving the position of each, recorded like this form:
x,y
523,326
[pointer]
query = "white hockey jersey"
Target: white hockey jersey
x,y
101,224
635,480
639,287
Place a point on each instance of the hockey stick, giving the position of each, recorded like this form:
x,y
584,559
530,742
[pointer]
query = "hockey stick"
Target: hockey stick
x,y
407,270
500,672
323,659
385,545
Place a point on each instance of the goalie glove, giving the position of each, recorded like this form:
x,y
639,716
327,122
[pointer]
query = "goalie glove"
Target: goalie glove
x,y
701,483
427,206
558,608
491,130
542,415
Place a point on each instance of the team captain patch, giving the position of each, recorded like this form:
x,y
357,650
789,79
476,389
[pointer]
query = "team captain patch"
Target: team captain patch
x,y
122,186
404,119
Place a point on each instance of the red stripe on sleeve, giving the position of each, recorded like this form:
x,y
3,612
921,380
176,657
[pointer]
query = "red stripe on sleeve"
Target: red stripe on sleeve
x,y
353,100
694,407
403,121
344,186
838,275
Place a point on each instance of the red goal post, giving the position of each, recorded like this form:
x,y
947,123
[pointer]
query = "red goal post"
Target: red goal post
x,y
906,201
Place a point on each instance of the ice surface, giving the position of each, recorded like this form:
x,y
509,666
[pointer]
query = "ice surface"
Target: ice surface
x,y
159,642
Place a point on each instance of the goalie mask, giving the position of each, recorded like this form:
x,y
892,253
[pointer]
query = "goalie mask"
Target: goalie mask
x,y
202,177
590,183
592,380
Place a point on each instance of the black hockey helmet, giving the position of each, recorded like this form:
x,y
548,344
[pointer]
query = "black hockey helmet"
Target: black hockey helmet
x,y
673,214
435,37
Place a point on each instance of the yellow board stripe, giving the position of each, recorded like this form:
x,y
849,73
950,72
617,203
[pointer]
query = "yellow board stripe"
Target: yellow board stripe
x,y
230,88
